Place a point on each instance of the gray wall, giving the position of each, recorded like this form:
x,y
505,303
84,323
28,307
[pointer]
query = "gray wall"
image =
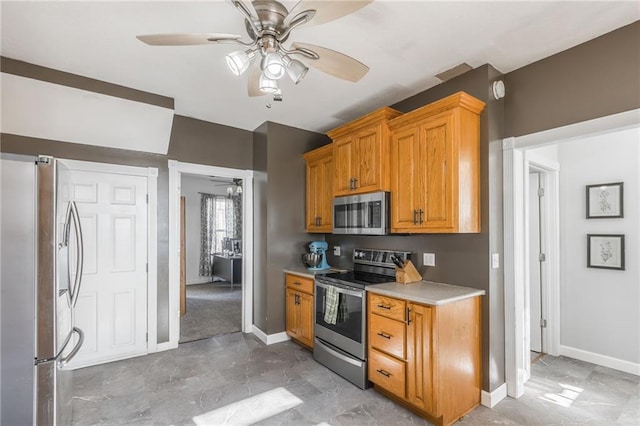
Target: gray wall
x,y
594,79
462,259
279,203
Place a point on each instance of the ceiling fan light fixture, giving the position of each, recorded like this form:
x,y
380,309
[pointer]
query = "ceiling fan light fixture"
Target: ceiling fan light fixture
x,y
239,61
296,70
272,66
267,85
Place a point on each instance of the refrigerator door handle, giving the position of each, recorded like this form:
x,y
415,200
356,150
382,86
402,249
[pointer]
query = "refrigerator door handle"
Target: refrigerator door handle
x,y
79,254
64,245
65,360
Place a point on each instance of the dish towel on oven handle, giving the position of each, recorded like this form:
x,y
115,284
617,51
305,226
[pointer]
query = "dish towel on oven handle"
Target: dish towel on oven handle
x,y
343,310
331,305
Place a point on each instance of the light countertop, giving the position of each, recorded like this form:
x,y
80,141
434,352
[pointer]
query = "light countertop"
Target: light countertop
x,y
427,292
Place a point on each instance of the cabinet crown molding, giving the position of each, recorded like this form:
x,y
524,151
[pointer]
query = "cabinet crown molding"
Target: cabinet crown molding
x,y
318,152
379,115
460,99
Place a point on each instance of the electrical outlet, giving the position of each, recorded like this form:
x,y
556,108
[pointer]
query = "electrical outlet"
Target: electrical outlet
x,y
336,250
495,260
429,259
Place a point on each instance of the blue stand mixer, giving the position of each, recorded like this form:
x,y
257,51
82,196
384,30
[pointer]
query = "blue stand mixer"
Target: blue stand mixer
x,y
316,260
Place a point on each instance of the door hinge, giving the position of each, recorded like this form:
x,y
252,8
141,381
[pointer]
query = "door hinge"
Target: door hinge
x,y
147,267
540,192
542,257
147,198
543,323
43,159
146,336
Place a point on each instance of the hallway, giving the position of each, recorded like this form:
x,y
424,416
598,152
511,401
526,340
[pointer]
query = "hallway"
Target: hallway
x,y
213,309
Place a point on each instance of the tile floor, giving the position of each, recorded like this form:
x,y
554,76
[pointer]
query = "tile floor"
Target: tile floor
x,y
170,388
213,309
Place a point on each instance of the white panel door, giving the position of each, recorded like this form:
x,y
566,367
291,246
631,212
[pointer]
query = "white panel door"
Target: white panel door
x,y
112,304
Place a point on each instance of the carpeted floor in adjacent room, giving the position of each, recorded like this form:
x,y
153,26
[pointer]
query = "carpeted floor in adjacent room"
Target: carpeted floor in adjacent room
x,y
213,309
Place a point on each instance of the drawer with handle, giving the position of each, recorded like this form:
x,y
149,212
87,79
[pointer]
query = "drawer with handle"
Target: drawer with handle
x,y
387,372
387,335
299,283
387,307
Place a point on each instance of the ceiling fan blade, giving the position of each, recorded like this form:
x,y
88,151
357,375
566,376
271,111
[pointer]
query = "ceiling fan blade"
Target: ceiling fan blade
x,y
334,63
186,39
253,83
249,12
326,11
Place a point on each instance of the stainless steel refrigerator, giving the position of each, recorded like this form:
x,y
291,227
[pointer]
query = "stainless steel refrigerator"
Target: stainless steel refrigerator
x,y
40,276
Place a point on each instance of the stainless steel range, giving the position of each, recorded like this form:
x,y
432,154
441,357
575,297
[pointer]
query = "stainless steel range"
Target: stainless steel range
x,y
341,311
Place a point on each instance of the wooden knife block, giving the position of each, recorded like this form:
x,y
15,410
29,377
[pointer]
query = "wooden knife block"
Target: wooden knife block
x,y
407,274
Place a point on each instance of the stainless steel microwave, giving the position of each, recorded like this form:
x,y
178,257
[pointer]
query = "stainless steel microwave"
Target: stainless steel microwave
x,y
366,214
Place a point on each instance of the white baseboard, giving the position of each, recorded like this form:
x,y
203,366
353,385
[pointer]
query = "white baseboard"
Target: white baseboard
x,y
490,399
270,339
204,280
603,360
166,346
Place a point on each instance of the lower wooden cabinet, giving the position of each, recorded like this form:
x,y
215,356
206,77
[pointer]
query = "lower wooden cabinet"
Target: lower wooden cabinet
x,y
299,309
428,359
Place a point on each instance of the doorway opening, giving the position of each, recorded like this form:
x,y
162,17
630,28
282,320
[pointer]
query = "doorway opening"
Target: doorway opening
x,y
210,256
210,251
536,296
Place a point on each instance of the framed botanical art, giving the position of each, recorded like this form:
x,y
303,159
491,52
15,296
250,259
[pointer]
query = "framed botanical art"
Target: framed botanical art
x,y
605,200
605,251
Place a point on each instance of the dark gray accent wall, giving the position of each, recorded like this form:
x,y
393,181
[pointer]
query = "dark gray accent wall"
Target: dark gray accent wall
x,y
279,203
260,227
594,79
462,259
37,72
197,141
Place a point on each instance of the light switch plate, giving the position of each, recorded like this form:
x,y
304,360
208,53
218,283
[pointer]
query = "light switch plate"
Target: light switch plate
x,y
429,259
336,250
495,260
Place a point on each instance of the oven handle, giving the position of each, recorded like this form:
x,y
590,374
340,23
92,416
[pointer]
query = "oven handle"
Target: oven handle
x,y
341,289
340,356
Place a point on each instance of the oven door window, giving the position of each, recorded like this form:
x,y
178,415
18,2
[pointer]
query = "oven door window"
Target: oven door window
x,y
347,316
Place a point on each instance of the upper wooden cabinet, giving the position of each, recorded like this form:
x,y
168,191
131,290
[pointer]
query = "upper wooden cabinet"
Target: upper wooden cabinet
x,y
361,153
435,167
319,213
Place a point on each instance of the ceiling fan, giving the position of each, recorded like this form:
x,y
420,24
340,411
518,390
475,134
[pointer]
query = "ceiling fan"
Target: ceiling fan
x,y
269,25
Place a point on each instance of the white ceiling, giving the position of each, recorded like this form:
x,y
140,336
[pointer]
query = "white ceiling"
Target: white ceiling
x,y
405,43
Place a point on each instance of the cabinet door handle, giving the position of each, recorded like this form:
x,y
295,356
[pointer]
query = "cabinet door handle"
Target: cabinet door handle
x,y
421,213
384,373
385,335
408,315
415,216
384,307
355,183
319,219
297,283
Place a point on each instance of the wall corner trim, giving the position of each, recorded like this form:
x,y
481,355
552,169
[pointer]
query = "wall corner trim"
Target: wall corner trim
x,y
490,399
270,339
602,360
